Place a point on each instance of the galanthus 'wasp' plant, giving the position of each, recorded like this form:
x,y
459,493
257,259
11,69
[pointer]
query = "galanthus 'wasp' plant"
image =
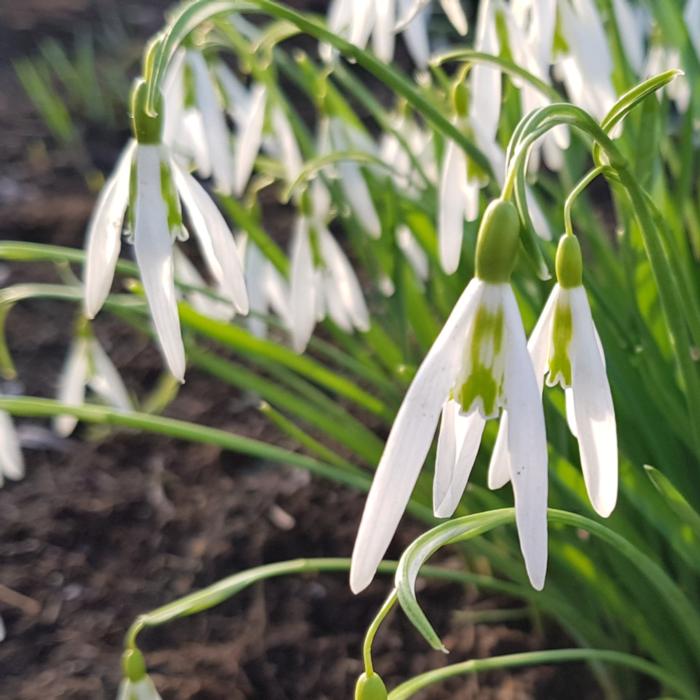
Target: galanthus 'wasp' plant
x,y
376,260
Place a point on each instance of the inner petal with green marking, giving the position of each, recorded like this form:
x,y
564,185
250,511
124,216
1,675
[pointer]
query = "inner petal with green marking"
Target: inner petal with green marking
x,y
562,333
480,381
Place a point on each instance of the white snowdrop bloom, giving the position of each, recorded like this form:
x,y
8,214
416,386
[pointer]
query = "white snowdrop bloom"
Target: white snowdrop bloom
x,y
11,459
411,248
282,145
633,23
206,304
249,139
138,690
478,366
565,345
268,291
154,184
452,8
586,67
344,137
322,282
88,366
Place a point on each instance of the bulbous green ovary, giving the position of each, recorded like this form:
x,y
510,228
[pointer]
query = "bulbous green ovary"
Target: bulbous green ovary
x,y
497,242
483,381
370,688
562,333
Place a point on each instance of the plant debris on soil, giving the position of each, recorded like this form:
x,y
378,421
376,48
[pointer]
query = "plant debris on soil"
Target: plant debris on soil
x,y
107,525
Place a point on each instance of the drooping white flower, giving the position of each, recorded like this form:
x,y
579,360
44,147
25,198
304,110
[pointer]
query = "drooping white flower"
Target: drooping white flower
x,y
249,139
565,345
452,8
337,135
323,282
478,366
267,289
157,183
11,459
88,366
138,690
411,248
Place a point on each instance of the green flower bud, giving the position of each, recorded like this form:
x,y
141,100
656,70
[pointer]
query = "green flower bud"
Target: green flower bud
x,y
568,263
497,242
370,688
134,665
147,128
460,98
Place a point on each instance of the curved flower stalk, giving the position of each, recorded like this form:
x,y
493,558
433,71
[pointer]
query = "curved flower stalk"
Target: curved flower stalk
x,y
323,282
565,345
338,135
152,184
477,366
11,459
267,289
88,366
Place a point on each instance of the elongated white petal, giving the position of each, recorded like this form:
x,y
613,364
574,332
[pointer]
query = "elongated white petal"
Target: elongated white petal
x,y
485,81
106,381
409,441
344,280
451,207
362,22
455,13
153,248
249,139
593,409
104,234
527,445
303,287
11,459
416,36
409,10
71,385
277,291
173,92
383,35
214,237
416,256
289,153
235,94
453,467
357,193
215,131
333,303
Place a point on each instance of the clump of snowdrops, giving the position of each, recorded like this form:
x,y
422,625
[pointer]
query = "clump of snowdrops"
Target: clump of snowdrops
x,y
446,264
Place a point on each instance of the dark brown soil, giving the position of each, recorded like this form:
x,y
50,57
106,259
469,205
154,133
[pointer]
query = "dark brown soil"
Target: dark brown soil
x,y
104,527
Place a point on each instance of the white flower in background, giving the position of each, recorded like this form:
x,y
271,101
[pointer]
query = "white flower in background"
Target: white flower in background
x,y
151,184
337,135
633,24
412,249
478,366
452,8
88,366
249,138
662,58
195,124
267,289
586,67
565,345
11,459
322,280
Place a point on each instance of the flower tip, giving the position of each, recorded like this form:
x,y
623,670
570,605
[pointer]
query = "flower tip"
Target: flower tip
x,y
605,506
359,580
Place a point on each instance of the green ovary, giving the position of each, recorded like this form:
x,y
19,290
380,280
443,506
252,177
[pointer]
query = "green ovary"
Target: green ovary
x,y
562,333
484,381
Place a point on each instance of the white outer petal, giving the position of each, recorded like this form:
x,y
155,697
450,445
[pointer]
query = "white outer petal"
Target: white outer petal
x,y
71,385
415,36
357,193
106,381
153,247
303,291
254,267
344,280
249,139
411,248
362,22
593,409
527,445
289,150
237,97
451,207
409,441
215,130
452,469
383,35
11,459
485,82
455,13
538,346
104,231
214,237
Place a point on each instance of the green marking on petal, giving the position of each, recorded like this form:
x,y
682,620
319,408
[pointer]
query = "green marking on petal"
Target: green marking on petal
x,y
131,212
169,194
562,333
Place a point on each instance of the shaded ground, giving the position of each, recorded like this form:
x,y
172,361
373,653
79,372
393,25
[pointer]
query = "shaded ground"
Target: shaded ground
x,y
106,527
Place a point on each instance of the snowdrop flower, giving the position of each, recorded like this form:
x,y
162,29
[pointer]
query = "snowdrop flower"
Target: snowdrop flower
x,y
137,684
267,289
565,345
151,184
88,366
195,124
11,459
337,135
586,67
411,248
477,367
323,282
633,23
661,58
452,8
